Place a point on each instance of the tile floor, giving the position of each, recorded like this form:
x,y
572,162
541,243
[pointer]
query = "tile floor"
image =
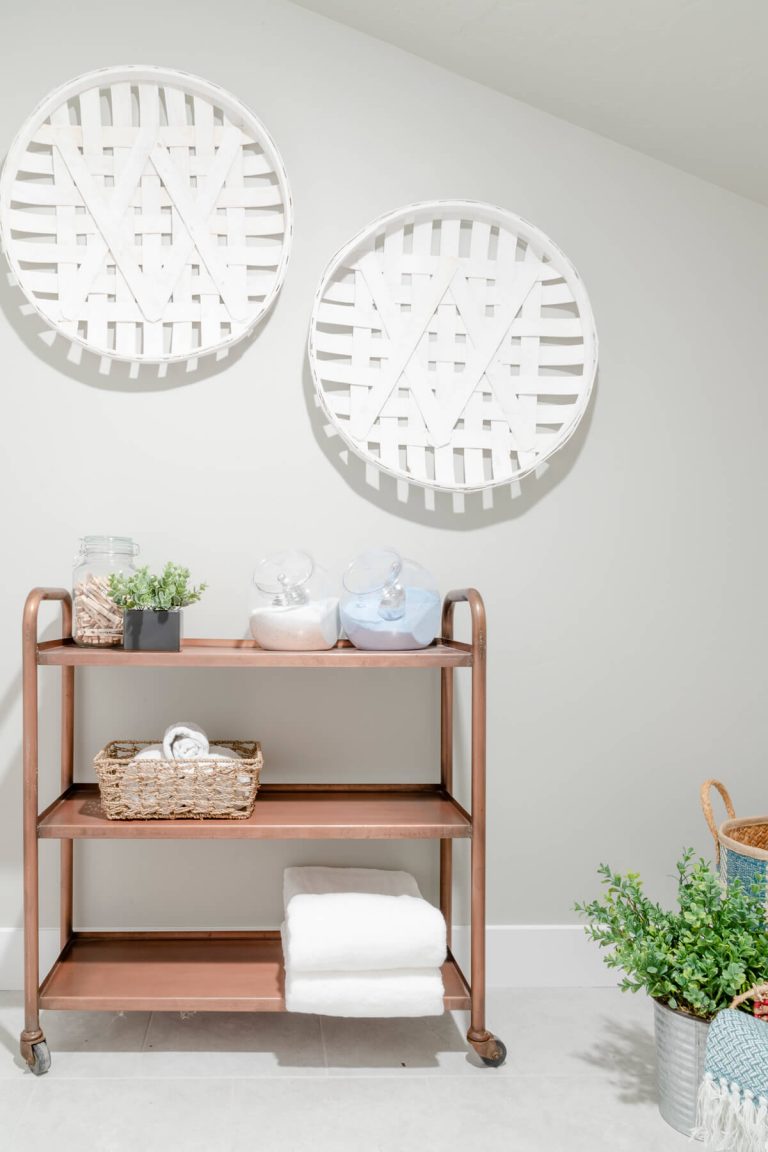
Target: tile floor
x,y
579,1076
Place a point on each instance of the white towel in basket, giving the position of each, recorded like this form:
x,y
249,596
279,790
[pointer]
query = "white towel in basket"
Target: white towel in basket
x,y
183,741
133,773
406,992
215,752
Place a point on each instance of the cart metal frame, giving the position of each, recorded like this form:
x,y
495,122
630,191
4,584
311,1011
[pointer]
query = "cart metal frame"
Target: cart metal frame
x,y
240,971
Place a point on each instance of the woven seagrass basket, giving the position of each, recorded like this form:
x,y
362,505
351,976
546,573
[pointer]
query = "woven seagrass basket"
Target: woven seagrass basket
x,y
741,845
134,789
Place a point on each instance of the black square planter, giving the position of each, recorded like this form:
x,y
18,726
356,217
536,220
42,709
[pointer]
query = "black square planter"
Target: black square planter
x,y
148,631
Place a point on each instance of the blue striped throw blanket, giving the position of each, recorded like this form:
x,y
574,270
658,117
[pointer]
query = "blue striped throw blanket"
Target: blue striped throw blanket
x,y
733,1098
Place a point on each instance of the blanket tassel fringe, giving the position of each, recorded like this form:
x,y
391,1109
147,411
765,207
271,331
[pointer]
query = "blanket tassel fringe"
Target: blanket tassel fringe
x,y
729,1119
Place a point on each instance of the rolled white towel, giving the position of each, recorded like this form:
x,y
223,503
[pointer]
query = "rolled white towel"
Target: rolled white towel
x,y
407,992
215,752
184,741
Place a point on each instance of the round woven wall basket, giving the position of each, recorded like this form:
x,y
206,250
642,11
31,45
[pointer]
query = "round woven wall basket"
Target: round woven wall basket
x,y
146,215
453,346
741,844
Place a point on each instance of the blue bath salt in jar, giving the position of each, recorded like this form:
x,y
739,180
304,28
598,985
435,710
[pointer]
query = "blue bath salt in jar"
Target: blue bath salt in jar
x,y
389,604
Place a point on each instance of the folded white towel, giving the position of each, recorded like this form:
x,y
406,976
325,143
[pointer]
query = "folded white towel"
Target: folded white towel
x,y
358,919
360,932
184,741
407,992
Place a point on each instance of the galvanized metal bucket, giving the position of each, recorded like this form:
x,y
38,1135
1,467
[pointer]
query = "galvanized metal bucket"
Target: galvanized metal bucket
x,y
681,1046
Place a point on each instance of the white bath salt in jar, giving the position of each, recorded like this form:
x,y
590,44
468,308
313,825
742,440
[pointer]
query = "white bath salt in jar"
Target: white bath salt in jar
x,y
389,603
295,609
97,621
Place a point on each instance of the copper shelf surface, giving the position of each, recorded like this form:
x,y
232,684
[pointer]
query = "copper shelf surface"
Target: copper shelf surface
x,y
247,654
282,812
183,971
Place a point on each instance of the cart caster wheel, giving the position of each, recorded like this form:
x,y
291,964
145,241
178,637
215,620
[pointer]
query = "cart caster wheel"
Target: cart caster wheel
x,y
499,1056
41,1059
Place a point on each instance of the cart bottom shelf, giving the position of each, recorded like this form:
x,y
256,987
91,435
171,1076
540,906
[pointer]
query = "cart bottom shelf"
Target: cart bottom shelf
x,y
183,971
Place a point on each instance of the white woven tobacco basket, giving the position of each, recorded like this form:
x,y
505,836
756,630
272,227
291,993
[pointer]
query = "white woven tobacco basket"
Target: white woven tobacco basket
x,y
452,346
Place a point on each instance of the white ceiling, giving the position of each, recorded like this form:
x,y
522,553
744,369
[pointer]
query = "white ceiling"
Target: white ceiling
x,y
685,81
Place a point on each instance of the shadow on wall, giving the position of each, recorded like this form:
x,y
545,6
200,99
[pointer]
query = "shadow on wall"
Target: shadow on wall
x,y
11,794
11,780
11,760
505,505
83,366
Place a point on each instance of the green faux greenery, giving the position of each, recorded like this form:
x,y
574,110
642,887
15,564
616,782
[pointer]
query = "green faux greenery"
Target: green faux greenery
x,y
694,959
159,593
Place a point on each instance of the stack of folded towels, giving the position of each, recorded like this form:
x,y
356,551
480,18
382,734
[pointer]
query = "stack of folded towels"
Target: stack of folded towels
x,y
361,942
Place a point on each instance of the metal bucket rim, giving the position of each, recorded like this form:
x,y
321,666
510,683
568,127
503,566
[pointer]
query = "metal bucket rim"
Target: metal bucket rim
x,y
681,1013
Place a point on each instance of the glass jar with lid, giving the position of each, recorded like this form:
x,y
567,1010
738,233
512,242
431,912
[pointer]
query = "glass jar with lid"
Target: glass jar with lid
x,y
97,621
389,603
295,609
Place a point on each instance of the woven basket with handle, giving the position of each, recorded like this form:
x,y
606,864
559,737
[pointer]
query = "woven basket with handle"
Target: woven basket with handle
x,y
741,844
134,789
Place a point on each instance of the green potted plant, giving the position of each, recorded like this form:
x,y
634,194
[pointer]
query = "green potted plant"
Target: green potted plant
x,y
152,606
691,960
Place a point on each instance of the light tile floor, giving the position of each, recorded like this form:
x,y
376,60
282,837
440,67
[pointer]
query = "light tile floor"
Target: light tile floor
x,y
579,1076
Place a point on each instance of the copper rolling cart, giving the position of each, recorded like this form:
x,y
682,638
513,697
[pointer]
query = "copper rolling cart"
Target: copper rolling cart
x,y
239,971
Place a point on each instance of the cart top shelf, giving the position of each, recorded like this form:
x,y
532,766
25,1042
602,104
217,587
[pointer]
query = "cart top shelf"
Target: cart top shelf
x,y
247,654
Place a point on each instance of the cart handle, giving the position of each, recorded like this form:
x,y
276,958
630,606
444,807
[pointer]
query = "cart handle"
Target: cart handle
x,y
706,807
477,608
32,610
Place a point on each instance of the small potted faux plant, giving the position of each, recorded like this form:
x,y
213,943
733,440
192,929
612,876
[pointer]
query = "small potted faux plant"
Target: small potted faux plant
x,y
692,961
152,606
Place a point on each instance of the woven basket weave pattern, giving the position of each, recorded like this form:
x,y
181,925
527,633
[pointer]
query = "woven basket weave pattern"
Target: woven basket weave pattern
x,y
146,215
177,789
752,873
452,345
752,835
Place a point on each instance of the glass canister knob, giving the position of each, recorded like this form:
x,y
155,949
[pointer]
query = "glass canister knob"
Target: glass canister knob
x,y
392,603
283,577
378,572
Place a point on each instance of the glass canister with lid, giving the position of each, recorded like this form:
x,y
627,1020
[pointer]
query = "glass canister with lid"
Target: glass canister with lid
x,y
389,603
97,621
295,608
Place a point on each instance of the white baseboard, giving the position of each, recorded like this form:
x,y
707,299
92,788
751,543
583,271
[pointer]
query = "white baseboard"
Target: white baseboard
x,y
12,955
537,956
518,956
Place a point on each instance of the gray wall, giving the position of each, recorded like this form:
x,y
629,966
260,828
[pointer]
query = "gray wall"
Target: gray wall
x,y
625,589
